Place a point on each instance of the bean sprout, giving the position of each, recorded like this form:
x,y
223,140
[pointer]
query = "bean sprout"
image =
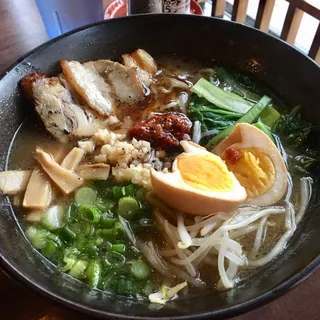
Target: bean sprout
x,y
186,240
213,240
196,132
306,192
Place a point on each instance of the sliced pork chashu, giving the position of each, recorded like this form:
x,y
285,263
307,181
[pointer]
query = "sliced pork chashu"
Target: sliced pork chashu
x,y
104,84
88,83
27,82
124,82
63,118
77,102
145,65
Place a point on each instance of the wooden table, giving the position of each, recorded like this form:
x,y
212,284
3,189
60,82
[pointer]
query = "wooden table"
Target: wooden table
x,y
21,30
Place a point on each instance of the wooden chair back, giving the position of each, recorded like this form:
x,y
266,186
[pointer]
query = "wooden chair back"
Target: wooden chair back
x,y
292,20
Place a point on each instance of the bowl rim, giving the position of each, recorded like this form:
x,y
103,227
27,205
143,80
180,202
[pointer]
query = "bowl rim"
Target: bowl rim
x,y
235,310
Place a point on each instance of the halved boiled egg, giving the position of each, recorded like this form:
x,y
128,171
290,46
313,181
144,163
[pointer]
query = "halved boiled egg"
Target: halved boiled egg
x,y
200,183
256,162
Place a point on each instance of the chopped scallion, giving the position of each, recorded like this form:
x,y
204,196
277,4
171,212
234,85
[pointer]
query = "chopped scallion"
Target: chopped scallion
x,y
38,237
93,273
78,269
119,247
89,212
140,269
128,207
107,220
85,195
114,259
50,249
67,234
71,212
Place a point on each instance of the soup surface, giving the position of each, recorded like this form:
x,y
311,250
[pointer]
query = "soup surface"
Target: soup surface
x,y
152,178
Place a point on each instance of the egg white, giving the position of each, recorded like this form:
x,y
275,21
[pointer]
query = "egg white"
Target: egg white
x,y
174,191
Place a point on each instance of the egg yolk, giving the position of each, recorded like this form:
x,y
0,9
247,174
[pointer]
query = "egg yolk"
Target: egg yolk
x,y
254,170
205,172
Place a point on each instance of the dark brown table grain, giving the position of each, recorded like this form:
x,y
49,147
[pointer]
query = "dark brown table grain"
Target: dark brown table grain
x,y
21,30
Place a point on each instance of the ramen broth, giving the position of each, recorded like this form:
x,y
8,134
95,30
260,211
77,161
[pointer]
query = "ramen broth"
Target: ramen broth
x,y
164,95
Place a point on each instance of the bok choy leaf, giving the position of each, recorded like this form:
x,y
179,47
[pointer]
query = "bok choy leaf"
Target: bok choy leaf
x,y
220,98
252,115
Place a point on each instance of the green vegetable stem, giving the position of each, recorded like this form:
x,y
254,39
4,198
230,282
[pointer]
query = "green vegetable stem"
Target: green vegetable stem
x,y
249,117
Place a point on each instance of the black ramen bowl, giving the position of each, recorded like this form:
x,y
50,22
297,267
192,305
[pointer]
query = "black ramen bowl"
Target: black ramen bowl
x,y
291,74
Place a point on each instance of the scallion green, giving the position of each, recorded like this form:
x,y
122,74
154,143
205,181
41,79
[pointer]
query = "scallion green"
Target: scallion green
x,y
89,212
114,259
93,273
38,237
85,195
128,207
78,269
140,269
119,247
107,220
